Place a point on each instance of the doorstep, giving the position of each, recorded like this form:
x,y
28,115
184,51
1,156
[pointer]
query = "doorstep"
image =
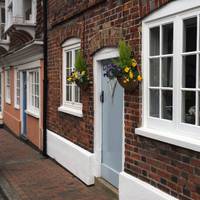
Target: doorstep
x,y
111,190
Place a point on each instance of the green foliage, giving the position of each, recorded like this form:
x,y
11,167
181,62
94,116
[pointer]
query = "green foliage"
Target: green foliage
x,y
79,75
80,63
125,57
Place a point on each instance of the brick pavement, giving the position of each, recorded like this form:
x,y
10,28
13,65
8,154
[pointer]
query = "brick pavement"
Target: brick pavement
x,y
27,175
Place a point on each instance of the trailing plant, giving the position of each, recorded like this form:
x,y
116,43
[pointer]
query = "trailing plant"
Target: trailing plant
x,y
125,68
79,75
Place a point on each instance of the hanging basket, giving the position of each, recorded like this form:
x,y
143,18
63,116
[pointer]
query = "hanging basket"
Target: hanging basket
x,y
129,86
83,85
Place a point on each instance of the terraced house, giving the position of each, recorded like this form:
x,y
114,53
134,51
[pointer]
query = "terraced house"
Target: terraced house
x,y
21,61
110,89
144,142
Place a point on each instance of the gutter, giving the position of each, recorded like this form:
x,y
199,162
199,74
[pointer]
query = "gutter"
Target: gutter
x,y
45,81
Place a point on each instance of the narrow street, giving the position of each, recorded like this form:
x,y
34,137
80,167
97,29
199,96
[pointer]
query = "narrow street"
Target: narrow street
x,y
27,175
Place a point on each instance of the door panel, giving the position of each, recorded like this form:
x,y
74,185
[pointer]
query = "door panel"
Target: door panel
x,y
112,129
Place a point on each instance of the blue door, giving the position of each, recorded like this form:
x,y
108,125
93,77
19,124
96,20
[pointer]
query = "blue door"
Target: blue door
x,y
24,102
112,129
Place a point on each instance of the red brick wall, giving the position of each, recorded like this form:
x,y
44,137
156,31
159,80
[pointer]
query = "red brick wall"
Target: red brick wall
x,y
172,169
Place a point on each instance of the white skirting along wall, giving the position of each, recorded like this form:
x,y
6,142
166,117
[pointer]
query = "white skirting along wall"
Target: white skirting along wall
x,y
74,158
131,188
82,164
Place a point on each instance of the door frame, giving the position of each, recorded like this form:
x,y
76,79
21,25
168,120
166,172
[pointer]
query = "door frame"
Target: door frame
x,y
106,53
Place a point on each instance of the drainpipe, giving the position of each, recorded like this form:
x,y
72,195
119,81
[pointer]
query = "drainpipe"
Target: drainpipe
x,y
45,82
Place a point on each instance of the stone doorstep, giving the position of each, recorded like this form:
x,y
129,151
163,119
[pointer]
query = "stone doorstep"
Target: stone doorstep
x,y
7,190
111,190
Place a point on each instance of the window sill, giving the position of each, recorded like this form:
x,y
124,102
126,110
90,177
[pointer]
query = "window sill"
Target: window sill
x,y
8,102
177,139
71,110
16,107
33,114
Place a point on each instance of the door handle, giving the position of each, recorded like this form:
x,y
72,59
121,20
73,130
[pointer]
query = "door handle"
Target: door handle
x,y
102,97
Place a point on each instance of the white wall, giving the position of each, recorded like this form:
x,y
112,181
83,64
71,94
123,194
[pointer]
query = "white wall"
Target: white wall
x,y
74,158
18,8
131,188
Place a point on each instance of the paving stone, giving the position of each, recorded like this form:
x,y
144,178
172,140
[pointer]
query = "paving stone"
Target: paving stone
x,y
32,177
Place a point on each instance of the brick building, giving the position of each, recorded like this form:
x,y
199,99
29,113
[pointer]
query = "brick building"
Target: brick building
x,y
146,142
21,60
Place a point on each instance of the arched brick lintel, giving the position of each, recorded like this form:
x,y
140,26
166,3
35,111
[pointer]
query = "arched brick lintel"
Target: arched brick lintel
x,y
109,37
71,31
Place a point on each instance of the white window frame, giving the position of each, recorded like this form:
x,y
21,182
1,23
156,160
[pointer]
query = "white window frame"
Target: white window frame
x,y
17,87
32,109
7,86
70,107
174,132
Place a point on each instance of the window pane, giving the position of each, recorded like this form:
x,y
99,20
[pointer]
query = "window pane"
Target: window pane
x,y
38,78
167,72
199,73
69,59
35,77
18,100
18,88
68,93
3,15
167,105
168,39
36,101
76,53
188,107
154,72
33,89
189,71
190,35
68,71
155,41
199,109
77,94
154,103
33,101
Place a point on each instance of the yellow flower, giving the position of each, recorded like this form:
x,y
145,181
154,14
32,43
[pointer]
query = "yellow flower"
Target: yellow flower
x,y
69,79
134,63
76,74
139,78
83,73
131,75
126,69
